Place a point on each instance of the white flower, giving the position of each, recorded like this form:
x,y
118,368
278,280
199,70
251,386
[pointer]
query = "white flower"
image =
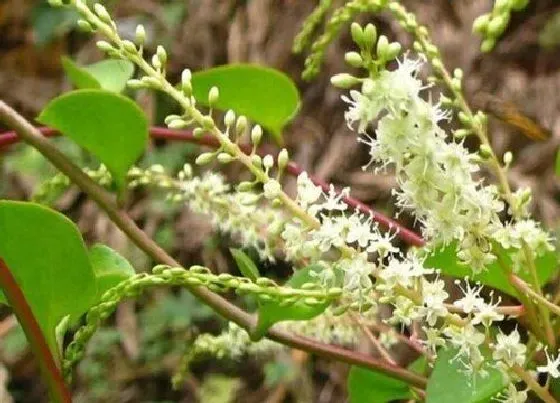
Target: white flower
x,y
360,231
512,395
357,273
307,192
552,366
509,349
434,296
471,299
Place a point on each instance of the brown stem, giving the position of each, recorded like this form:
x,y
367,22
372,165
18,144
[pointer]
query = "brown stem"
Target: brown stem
x,y
32,136
37,342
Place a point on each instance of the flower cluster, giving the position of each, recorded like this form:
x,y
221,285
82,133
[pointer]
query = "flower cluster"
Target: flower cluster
x,y
436,177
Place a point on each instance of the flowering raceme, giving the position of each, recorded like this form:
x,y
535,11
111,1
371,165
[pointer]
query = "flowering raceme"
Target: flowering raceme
x,y
435,177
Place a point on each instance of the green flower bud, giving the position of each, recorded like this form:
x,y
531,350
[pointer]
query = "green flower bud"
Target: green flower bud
x,y
104,46
85,26
56,3
225,158
213,96
357,34
382,47
393,50
354,59
485,151
162,54
156,62
487,45
370,36
229,119
508,158
518,5
241,125
177,124
207,122
501,6
283,158
498,25
140,36
129,46
198,132
272,189
101,12
204,158
480,24
256,135
344,80
256,160
461,133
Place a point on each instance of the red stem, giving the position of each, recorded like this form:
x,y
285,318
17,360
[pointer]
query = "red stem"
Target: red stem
x,y
50,371
292,168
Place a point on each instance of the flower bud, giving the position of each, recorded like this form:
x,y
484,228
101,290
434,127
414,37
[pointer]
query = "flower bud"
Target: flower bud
x,y
357,34
256,160
508,158
344,80
85,26
156,62
268,161
104,46
213,96
497,25
162,54
225,158
56,3
382,47
101,12
177,124
272,189
485,151
283,158
198,132
354,59
140,36
129,46
370,35
256,135
487,45
501,6
480,24
518,5
229,119
186,84
204,158
245,186
241,125
393,50
207,122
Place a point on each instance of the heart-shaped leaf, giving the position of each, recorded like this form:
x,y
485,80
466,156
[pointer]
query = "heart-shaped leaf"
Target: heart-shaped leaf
x,y
111,75
446,260
47,256
110,126
266,96
272,312
245,265
450,383
109,268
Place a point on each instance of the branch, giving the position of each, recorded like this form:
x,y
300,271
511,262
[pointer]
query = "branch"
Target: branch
x,y
47,365
33,136
407,235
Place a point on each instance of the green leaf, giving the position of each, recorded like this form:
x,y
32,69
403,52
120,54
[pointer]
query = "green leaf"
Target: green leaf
x,y
557,166
373,387
47,256
446,260
272,312
111,75
266,96
245,265
51,22
110,126
109,267
449,382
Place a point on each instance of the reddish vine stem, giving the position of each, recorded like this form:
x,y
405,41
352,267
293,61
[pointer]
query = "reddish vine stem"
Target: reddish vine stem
x,y
220,305
407,235
51,374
